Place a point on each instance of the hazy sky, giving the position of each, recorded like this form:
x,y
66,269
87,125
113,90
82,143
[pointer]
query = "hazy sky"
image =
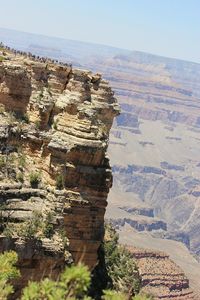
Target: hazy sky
x,y
165,27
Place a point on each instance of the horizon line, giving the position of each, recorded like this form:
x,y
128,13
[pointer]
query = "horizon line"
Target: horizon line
x,y
100,44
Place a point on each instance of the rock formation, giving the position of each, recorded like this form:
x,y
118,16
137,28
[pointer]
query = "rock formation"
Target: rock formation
x,y
54,171
160,276
158,126
154,149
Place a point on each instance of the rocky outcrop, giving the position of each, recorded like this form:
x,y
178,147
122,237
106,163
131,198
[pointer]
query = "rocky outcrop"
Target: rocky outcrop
x,y
140,223
160,101
54,171
160,276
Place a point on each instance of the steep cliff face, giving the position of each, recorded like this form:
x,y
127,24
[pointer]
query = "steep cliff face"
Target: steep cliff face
x,y
54,172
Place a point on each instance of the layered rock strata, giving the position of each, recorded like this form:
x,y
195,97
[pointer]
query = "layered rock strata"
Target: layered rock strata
x,y
160,276
54,171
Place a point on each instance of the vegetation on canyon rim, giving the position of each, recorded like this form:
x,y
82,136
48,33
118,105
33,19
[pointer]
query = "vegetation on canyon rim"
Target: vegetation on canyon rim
x,y
75,281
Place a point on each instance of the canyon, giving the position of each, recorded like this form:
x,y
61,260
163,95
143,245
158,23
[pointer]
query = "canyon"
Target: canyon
x,y
154,149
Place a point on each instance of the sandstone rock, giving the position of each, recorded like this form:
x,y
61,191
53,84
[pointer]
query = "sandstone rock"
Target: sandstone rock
x,y
54,137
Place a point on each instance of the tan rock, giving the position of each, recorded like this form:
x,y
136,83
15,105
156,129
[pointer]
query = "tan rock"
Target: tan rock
x,y
63,144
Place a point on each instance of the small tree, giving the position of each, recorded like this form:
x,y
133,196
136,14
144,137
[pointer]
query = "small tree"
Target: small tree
x,y
48,228
73,284
8,271
112,295
22,160
120,265
35,179
59,182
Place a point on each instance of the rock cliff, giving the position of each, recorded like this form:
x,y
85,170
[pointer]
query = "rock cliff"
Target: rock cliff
x,y
54,171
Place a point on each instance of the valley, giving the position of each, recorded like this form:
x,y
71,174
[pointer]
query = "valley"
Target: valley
x,y
154,146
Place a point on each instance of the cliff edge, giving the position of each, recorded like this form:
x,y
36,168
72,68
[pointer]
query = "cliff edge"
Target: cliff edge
x,y
54,171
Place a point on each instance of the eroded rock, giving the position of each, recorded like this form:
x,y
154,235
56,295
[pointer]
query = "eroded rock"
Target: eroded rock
x,y
54,129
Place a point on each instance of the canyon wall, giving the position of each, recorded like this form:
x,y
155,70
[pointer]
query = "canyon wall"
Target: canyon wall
x,y
54,170
154,144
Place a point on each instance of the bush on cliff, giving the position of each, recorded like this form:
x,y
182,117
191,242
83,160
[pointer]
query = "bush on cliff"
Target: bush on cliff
x,y
59,182
122,270
35,179
116,269
8,272
2,58
123,280
73,284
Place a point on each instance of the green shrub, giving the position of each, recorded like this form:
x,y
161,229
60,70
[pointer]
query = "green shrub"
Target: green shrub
x,y
8,230
63,237
20,177
55,125
20,117
11,159
112,295
30,228
8,272
116,270
122,270
73,284
8,269
37,124
37,226
25,118
22,161
59,182
48,228
2,58
35,179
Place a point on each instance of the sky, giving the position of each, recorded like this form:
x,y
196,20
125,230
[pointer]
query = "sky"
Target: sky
x,y
165,27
